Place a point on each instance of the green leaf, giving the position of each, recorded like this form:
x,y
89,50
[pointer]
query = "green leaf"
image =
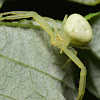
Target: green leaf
x,y
93,83
94,62
30,67
1,3
94,44
91,15
87,2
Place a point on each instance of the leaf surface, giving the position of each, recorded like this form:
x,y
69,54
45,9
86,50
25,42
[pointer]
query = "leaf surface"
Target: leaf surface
x,y
94,58
1,3
30,67
87,2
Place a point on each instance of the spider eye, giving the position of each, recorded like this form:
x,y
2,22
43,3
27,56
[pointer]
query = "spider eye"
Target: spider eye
x,y
78,29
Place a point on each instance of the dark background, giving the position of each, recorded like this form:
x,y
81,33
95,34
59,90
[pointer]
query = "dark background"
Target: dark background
x,y
55,9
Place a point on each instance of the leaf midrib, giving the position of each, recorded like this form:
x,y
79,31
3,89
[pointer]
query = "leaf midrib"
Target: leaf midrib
x,y
33,68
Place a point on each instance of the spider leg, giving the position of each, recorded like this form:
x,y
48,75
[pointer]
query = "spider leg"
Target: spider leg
x,y
13,17
76,60
82,47
43,24
72,49
54,23
14,12
69,60
63,23
35,16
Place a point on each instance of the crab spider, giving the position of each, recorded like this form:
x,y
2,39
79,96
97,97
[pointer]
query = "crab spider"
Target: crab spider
x,y
75,29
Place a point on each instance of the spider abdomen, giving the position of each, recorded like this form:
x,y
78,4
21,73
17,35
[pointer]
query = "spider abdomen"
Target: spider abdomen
x,y
78,29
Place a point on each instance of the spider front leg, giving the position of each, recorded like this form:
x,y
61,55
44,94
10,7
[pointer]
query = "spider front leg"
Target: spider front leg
x,y
13,13
64,21
82,82
26,14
